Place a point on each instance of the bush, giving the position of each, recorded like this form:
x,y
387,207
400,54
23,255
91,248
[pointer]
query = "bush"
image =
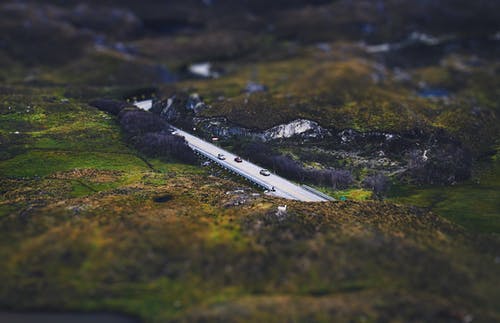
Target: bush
x,y
138,122
336,178
164,145
288,167
444,164
378,183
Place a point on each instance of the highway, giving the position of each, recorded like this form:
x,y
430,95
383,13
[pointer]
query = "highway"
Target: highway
x,y
282,187
274,184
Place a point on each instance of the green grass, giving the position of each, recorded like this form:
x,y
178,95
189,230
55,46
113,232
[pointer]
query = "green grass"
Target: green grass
x,y
79,189
175,167
43,163
163,299
354,194
474,205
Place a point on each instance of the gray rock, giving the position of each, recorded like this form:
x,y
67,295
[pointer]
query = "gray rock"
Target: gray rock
x,y
297,128
253,87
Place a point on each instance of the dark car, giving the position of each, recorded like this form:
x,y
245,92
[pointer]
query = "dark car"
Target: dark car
x,y
238,160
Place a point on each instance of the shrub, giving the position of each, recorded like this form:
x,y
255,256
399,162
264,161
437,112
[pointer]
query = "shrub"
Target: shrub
x,y
444,164
288,167
164,145
378,183
337,178
138,122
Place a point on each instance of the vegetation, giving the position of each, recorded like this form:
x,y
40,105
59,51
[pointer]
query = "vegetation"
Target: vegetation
x,y
473,204
102,209
148,132
288,167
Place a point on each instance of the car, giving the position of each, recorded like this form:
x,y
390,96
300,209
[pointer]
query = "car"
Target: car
x,y
221,156
238,159
265,172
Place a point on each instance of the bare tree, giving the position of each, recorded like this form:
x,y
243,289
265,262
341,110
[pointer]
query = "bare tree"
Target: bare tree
x,y
378,183
165,145
137,122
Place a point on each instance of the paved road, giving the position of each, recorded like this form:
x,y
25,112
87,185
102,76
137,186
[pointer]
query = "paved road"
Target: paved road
x,y
284,188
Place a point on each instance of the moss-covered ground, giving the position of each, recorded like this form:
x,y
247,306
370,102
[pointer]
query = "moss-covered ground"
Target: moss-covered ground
x,y
89,224
345,89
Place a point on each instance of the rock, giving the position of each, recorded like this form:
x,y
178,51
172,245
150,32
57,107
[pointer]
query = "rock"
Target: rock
x,y
253,87
300,127
203,69
168,110
195,103
222,128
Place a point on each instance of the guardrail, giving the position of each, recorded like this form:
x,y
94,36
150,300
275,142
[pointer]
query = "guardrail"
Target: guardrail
x,y
315,191
233,169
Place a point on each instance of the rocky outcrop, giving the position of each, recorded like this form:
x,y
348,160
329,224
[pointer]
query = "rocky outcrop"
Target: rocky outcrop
x,y
298,128
222,128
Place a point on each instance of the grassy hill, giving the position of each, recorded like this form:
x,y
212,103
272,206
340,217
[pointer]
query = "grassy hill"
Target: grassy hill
x,y
89,224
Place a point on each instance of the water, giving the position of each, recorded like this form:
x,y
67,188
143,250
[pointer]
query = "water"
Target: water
x,y
434,93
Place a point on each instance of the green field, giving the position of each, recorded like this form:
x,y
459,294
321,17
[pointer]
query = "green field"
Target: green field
x,y
474,205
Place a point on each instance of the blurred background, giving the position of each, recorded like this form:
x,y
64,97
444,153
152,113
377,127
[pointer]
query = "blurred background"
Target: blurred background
x,y
126,42
380,99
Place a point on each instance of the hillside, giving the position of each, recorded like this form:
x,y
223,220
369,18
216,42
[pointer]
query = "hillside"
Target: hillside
x,y
389,106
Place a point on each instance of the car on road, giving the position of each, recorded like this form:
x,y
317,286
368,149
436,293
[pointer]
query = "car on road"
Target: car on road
x,y
221,156
265,172
238,159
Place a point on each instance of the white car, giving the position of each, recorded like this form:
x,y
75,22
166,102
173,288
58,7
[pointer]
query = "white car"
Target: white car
x,y
265,172
221,156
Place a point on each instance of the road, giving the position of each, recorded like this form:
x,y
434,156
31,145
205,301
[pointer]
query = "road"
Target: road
x,y
274,184
283,188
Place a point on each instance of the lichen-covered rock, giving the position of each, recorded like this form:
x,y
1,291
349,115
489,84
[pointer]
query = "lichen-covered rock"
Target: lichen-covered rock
x,y
221,127
300,127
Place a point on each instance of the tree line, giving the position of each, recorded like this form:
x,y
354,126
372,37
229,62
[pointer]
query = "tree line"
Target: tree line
x,y
147,132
